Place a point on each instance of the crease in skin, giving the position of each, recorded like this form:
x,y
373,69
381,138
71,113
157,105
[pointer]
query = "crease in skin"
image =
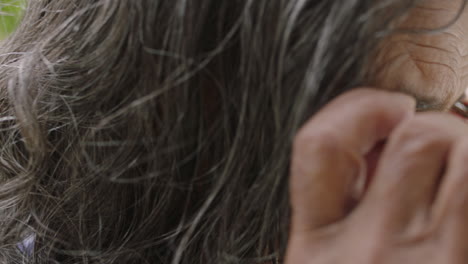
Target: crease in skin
x,y
425,8
421,45
418,61
456,9
427,56
424,75
422,68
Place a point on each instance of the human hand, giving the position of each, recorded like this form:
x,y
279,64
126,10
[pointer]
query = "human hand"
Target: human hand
x,y
413,211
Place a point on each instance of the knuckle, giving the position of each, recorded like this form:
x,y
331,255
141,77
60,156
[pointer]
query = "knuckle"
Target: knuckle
x,y
312,154
319,140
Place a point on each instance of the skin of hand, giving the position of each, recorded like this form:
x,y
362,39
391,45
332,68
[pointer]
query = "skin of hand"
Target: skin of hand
x,y
415,206
415,209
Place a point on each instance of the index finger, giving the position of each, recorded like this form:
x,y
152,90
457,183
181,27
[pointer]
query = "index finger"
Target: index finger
x,y
328,152
361,117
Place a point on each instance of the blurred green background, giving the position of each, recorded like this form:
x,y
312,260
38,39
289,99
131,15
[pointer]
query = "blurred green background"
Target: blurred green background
x,y
11,12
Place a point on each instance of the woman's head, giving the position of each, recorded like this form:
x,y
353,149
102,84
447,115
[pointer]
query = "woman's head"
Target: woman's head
x,y
158,131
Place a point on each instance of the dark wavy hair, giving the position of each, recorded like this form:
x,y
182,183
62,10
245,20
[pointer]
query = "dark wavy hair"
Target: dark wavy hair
x,y
152,131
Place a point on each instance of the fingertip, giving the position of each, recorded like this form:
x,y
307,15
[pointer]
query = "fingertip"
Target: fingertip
x,y
405,101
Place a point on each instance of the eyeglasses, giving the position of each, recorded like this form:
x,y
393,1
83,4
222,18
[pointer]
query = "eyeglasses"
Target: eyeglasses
x,y
460,108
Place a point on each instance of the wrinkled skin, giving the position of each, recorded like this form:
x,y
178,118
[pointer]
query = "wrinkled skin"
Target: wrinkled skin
x,y
414,208
431,64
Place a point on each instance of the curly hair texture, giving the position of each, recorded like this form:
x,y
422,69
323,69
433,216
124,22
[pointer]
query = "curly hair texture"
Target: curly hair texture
x,y
151,131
